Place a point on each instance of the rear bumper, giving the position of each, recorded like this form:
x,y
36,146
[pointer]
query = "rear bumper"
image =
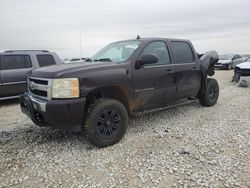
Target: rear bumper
x,y
60,114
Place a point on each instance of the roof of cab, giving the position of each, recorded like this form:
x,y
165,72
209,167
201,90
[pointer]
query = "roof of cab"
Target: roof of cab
x,y
159,38
153,39
13,51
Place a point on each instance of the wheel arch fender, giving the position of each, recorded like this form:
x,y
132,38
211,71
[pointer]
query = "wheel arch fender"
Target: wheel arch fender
x,y
117,92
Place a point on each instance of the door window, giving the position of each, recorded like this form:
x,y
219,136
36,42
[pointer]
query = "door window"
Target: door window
x,y
159,49
45,60
15,62
182,52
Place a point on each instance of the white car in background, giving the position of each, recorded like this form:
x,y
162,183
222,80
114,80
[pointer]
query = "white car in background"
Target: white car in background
x,y
242,74
229,61
77,60
74,60
65,61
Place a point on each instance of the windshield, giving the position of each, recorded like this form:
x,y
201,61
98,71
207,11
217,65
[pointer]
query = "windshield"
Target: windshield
x,y
117,52
226,57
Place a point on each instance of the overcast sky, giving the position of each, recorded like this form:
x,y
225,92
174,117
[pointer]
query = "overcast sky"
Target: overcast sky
x,y
222,25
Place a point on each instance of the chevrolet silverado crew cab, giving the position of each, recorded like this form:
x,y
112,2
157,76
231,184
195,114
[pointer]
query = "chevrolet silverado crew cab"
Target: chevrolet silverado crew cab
x,y
15,65
124,78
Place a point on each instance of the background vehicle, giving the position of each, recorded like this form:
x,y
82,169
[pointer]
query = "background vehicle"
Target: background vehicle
x,y
76,60
15,65
65,61
126,77
247,57
242,74
230,61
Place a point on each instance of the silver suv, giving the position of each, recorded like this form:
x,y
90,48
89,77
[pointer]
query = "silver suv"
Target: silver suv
x,y
15,65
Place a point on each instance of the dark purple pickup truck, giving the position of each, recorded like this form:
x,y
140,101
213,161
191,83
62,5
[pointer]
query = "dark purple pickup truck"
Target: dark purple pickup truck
x,y
124,78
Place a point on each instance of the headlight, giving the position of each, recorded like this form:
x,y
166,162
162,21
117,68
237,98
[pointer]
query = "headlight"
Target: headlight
x,y
65,88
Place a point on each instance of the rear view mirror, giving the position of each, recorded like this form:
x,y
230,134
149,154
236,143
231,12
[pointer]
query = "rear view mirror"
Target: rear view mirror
x,y
146,59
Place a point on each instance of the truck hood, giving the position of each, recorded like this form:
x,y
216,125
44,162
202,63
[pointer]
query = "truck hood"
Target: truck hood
x,y
57,71
224,61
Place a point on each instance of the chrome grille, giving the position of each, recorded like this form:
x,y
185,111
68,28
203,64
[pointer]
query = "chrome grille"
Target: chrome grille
x,y
40,87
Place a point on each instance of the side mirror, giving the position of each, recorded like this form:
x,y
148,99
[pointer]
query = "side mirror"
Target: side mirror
x,y
145,60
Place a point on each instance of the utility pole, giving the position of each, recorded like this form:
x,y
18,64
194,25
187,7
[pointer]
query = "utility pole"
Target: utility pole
x,y
80,44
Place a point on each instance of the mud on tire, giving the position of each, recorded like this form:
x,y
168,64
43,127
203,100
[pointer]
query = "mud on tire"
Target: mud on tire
x,y
106,122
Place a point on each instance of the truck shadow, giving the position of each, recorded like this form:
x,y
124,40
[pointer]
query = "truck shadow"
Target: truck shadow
x,y
33,136
9,102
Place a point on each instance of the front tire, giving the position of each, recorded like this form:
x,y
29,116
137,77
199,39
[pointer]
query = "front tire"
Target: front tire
x,y
211,95
106,122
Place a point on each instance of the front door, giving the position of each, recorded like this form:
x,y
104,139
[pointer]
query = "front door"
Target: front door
x,y
14,74
154,84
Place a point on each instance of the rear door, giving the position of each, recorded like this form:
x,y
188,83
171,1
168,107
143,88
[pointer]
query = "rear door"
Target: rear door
x,y
154,84
188,75
14,73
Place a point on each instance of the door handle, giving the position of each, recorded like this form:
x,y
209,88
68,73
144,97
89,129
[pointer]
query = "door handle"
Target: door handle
x,y
169,71
194,68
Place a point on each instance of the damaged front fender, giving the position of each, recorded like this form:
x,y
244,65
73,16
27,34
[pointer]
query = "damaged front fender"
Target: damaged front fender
x,y
207,61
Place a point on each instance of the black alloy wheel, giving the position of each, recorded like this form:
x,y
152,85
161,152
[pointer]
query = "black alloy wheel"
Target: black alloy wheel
x,y
108,123
211,95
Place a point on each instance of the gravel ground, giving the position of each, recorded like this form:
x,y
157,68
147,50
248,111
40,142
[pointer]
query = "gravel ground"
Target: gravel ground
x,y
185,146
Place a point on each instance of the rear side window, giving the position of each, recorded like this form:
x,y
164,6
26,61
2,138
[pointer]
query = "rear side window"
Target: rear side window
x,y
45,60
15,62
182,52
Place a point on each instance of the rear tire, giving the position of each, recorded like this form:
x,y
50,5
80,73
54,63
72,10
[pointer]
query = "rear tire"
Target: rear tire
x,y
106,122
211,95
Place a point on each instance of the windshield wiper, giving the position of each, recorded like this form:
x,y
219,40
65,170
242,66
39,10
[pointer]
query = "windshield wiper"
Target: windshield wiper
x,y
104,60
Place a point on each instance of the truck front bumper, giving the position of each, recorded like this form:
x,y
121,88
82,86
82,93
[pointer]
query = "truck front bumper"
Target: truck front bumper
x,y
65,114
